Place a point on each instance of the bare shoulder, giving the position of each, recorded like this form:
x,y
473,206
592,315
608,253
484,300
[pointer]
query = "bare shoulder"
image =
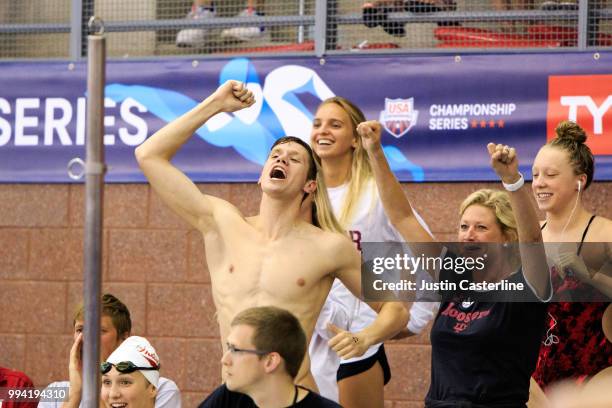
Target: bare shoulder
x,y
328,237
600,230
328,241
341,242
346,260
341,248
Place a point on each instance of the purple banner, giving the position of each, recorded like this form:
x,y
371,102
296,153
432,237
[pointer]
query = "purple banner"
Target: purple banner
x,y
438,112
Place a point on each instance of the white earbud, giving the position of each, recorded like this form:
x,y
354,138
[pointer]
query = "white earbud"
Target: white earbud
x,y
579,185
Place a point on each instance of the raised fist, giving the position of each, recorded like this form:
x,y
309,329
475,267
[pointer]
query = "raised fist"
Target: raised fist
x,y
504,161
370,133
233,96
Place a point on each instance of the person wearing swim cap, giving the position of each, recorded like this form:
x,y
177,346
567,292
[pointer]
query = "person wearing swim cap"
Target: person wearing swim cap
x,y
115,327
130,375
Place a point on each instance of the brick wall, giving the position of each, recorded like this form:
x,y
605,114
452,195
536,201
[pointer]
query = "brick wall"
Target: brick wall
x,y
155,263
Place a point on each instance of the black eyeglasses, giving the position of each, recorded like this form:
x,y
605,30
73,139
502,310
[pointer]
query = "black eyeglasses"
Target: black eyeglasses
x,y
124,367
233,349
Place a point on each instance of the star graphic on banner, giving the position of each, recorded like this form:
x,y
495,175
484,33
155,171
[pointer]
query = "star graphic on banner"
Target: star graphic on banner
x,y
474,123
483,124
500,123
491,123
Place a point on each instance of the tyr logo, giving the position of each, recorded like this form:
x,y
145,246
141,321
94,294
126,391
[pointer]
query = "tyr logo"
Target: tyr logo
x,y
586,100
598,112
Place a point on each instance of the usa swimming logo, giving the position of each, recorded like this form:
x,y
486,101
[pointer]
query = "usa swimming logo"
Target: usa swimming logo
x,y
399,116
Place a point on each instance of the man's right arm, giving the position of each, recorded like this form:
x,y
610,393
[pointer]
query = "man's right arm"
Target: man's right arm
x,y
155,154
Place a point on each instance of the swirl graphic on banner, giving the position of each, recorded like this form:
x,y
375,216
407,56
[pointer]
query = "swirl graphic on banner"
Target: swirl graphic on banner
x,y
251,132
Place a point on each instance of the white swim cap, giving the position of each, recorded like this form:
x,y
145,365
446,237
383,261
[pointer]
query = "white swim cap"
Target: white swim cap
x,y
139,351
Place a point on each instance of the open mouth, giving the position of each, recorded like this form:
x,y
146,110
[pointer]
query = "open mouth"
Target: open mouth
x,y
472,247
119,405
324,142
278,173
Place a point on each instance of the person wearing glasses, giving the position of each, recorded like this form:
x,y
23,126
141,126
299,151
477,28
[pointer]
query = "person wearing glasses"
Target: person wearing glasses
x,y
130,375
264,351
115,328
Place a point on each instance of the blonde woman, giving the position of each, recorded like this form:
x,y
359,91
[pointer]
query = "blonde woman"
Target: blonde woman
x,y
482,351
353,381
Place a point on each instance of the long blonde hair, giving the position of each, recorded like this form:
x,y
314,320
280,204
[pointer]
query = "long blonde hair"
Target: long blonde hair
x,y
360,172
322,209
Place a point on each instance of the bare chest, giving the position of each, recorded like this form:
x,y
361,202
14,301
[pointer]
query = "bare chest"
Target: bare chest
x,y
287,269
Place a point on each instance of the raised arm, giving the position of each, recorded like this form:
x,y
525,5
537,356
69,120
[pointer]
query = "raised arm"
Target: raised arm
x,y
75,373
392,316
396,205
155,154
533,257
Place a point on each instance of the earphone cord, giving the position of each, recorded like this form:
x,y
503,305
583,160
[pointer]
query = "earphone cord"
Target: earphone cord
x,y
570,216
551,338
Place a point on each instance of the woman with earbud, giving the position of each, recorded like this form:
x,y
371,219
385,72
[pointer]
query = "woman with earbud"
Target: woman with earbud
x,y
575,345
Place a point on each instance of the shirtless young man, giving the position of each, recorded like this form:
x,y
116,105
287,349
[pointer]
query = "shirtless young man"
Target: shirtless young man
x,y
274,258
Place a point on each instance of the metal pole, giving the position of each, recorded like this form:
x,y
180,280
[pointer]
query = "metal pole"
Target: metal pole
x,y
76,29
94,184
320,28
583,24
301,11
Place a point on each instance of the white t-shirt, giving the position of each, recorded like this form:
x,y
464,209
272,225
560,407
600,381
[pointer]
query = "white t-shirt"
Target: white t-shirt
x,y
168,394
370,224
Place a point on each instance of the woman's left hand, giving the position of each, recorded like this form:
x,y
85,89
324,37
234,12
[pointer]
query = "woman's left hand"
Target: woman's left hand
x,y
505,162
570,263
346,344
370,133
